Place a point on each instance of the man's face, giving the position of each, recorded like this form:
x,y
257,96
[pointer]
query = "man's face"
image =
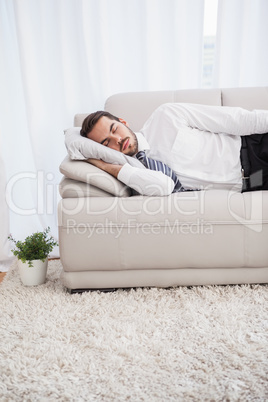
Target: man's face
x,y
114,134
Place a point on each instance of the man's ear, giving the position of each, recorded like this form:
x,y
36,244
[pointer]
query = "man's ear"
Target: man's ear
x,y
123,121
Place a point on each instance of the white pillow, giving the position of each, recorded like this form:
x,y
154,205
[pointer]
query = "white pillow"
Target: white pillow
x,y
82,148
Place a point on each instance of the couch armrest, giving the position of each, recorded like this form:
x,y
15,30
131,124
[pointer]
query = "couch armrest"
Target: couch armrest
x,y
87,173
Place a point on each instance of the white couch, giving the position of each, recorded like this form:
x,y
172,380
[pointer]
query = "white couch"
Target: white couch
x,y
110,239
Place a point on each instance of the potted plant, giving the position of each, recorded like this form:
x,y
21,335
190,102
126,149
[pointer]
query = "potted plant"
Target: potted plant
x,y
32,254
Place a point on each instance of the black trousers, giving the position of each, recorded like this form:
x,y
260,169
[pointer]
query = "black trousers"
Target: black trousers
x,y
254,160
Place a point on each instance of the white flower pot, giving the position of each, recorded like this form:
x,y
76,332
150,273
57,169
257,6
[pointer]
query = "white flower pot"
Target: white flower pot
x,y
35,275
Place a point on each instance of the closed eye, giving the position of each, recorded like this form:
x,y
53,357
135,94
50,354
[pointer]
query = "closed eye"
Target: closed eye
x,y
105,142
113,129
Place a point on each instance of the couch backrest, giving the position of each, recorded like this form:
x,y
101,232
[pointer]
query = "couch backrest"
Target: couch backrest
x,y
248,98
136,107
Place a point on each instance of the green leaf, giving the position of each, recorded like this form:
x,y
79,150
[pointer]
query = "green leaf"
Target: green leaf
x,y
35,247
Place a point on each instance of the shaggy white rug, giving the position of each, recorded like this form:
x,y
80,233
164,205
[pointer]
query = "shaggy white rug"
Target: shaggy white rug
x,y
179,344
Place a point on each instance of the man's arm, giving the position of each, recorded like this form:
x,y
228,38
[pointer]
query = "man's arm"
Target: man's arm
x,y
107,167
144,181
219,119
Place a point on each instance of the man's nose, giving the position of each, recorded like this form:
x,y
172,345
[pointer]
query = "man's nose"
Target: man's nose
x,y
117,138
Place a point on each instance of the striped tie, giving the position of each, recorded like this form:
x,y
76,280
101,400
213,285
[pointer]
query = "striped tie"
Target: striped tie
x,y
162,167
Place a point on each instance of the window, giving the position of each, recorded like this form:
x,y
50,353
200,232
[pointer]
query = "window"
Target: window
x,y
210,29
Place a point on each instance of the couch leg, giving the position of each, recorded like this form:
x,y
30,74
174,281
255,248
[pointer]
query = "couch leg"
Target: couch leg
x,y
104,290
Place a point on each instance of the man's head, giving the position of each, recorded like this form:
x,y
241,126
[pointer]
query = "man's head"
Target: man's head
x,y
110,131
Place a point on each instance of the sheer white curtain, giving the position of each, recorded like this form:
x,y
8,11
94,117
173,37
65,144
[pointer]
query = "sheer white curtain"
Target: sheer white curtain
x,y
4,216
60,57
242,43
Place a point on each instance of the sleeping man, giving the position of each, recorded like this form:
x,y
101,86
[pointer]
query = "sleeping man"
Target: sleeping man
x,y
186,147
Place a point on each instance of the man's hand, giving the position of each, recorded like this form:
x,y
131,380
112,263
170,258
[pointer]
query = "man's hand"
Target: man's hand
x,y
107,167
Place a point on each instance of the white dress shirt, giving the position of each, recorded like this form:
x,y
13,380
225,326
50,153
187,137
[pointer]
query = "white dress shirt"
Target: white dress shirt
x,y
200,143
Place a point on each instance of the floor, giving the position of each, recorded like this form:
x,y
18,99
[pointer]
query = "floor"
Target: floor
x,y
2,275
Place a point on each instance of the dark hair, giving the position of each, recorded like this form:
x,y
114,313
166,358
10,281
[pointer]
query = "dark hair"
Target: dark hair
x,y
92,119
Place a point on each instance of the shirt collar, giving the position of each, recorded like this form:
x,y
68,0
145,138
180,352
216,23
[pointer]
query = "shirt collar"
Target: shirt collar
x,y
142,142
